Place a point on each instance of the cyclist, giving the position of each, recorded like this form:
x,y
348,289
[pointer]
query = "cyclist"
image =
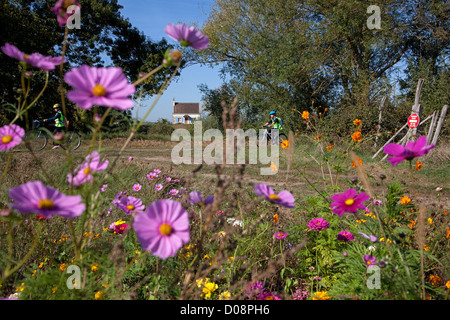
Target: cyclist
x,y
59,122
274,122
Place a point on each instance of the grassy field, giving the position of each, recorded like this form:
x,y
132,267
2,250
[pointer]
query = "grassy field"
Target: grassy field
x,y
224,259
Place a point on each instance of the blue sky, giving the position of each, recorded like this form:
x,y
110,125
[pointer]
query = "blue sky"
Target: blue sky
x,y
151,17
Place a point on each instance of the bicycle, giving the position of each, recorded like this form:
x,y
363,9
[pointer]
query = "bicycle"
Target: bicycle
x,y
36,139
282,138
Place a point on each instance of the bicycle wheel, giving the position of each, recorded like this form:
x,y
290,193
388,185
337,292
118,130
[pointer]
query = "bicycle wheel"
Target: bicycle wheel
x,y
72,140
35,140
283,137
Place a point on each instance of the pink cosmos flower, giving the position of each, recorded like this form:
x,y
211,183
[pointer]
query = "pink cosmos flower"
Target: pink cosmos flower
x,y
10,136
345,236
131,205
284,198
369,260
412,150
187,36
152,176
34,197
280,235
349,201
106,87
318,224
158,186
162,228
83,173
60,9
137,187
35,60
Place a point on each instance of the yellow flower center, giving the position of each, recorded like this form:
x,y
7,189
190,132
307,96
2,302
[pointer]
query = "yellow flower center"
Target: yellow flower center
x,y
26,56
349,202
6,139
274,197
130,207
99,90
369,263
87,171
165,229
46,204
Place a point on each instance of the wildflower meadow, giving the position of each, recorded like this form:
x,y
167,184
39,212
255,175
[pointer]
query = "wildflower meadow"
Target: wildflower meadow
x,y
116,219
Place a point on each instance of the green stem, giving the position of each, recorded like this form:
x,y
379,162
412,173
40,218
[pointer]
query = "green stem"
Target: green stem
x,y
8,272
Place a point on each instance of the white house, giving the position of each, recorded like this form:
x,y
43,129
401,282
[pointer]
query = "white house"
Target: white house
x,y
185,113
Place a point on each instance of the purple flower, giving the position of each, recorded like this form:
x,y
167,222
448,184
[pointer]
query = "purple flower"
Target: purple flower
x,y
10,136
106,87
253,290
318,224
152,176
371,237
162,228
284,198
83,173
196,197
187,36
158,186
349,201
345,236
267,295
60,9
369,260
137,187
35,197
35,60
300,294
130,205
412,150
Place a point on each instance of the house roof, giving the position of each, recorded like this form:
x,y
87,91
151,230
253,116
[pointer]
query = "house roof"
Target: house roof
x,y
186,108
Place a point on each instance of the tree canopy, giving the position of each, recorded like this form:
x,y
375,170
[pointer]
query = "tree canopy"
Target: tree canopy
x,y
325,53
105,38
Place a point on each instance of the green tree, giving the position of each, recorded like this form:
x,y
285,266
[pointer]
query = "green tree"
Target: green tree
x,y
105,38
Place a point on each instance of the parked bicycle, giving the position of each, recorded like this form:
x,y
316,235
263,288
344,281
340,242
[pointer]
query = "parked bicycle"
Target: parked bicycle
x,y
37,138
266,136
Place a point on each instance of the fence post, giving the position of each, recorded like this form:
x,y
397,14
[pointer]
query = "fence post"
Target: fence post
x,y
432,125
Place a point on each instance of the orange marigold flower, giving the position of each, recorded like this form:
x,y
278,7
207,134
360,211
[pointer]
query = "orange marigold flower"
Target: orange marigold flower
x,y
285,144
419,165
275,218
405,200
434,279
359,160
357,136
448,233
357,122
305,115
412,223
63,267
330,147
318,137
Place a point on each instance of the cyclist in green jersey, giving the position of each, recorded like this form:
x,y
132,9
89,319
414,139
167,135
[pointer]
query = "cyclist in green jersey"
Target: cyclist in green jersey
x,y
274,122
59,122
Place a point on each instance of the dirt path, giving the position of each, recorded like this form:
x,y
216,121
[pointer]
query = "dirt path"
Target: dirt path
x,y
158,154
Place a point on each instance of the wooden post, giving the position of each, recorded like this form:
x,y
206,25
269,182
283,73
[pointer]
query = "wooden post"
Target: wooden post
x,y
402,140
379,120
432,125
417,109
440,123
392,138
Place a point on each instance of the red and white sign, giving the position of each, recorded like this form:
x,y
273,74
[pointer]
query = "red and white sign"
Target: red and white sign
x,y
413,121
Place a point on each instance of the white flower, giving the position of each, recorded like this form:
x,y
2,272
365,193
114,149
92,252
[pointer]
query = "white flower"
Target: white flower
x,y
371,248
235,222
